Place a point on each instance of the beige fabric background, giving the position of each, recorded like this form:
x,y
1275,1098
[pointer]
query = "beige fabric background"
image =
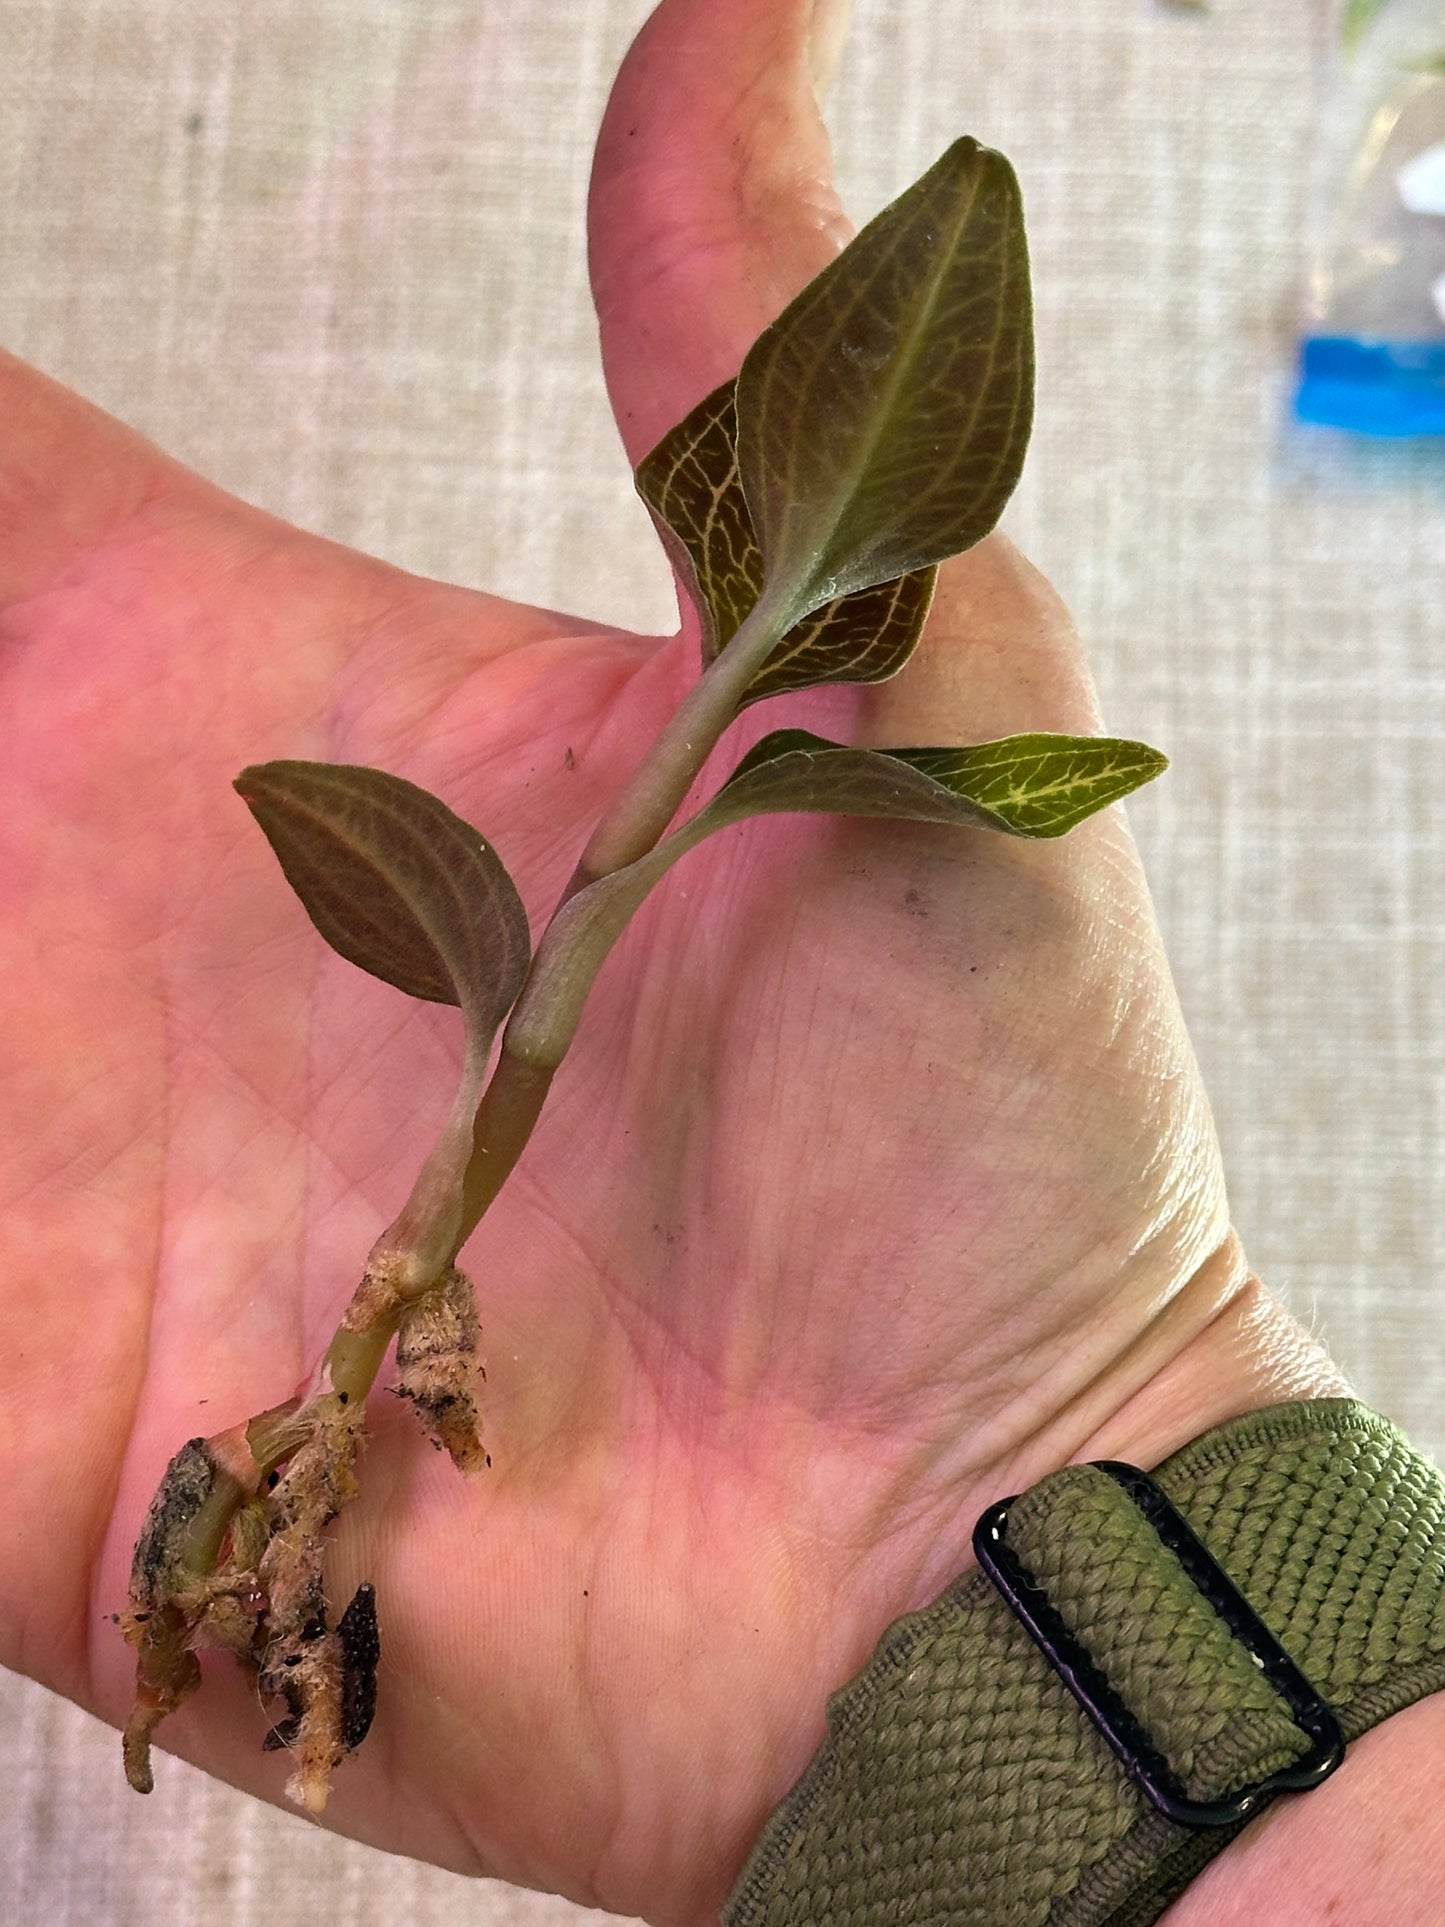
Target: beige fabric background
x,y
332,254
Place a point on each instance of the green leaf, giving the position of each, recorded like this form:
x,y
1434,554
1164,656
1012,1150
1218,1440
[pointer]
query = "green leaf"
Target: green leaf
x,y
1024,787
1030,786
863,637
397,884
690,482
1035,786
883,417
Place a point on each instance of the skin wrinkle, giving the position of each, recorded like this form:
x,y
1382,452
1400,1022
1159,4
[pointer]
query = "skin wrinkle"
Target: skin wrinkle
x,y
713,239
1064,1343
641,141
1062,1424
17,605
687,1523
796,1268
431,1030
216,1049
719,1207
755,190
91,1589
167,1284
407,696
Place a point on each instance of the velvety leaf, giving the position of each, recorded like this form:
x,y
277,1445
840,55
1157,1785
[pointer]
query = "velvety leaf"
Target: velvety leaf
x,y
1036,785
863,637
397,883
883,417
690,482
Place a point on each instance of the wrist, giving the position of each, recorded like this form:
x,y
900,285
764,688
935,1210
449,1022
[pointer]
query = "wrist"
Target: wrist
x,y
1365,1848
961,1757
1241,1354
1222,1347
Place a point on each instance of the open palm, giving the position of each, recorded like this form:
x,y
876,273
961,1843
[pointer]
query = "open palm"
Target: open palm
x,y
878,1179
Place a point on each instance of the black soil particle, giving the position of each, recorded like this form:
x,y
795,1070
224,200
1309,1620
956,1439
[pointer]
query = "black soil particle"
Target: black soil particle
x,y
360,1652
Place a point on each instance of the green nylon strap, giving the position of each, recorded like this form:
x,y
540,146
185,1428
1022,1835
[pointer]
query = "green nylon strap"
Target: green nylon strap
x,y
960,1785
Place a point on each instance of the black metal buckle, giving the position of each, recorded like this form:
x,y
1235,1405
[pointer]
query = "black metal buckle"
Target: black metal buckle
x,y
1135,1751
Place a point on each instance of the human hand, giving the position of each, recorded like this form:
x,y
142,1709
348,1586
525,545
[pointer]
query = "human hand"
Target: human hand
x,y
879,1180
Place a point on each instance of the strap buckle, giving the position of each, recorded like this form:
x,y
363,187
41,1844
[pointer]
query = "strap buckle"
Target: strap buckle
x,y
1132,1746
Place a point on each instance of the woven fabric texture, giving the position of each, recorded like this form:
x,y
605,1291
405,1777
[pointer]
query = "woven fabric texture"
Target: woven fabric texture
x,y
959,1786
1196,1691
332,255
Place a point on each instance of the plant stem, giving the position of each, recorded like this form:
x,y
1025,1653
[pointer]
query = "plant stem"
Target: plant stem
x,y
424,1234
275,1434
354,1358
240,1459
652,796
504,1119
572,948
209,1526
509,1108
425,1240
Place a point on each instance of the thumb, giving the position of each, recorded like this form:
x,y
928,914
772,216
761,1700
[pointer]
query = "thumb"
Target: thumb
x,y
712,204
712,196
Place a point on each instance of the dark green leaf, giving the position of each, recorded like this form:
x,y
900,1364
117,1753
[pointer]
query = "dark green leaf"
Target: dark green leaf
x,y
1035,786
690,482
863,637
883,417
397,883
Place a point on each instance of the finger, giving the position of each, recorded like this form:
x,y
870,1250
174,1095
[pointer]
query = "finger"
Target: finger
x,y
712,204
712,196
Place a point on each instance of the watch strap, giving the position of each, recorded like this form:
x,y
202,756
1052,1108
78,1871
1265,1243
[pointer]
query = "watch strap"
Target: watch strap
x,y
961,1782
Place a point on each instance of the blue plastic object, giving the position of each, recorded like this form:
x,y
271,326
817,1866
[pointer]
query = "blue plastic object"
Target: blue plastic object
x,y
1390,388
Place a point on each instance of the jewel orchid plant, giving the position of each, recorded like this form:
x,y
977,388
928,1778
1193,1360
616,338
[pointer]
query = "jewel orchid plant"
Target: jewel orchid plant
x,y
876,428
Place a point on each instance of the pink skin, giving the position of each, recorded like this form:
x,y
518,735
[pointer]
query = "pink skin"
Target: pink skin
x,y
879,1181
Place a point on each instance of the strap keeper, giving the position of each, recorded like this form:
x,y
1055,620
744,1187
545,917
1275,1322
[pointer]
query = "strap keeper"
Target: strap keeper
x,y
1124,1734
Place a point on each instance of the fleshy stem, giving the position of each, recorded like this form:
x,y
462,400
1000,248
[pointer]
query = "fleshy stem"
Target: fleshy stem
x,y
567,958
573,946
654,793
242,1458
